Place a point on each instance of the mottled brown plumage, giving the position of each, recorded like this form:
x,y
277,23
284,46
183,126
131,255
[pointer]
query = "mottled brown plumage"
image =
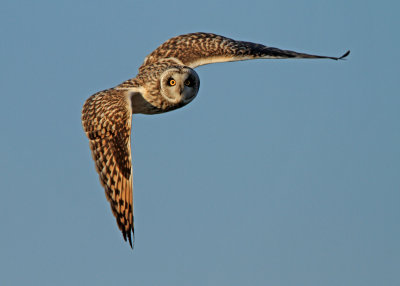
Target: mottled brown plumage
x,y
204,48
166,81
106,120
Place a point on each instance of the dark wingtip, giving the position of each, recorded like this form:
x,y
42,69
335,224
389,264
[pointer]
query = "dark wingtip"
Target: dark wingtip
x,y
130,240
129,236
344,55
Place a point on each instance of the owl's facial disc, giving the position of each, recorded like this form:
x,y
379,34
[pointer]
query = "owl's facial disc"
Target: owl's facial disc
x,y
179,85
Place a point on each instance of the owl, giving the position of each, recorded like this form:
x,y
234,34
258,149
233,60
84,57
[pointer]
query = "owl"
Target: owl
x,y
165,81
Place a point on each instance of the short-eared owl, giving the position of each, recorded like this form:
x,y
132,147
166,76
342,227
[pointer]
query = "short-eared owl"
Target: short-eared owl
x,y
166,81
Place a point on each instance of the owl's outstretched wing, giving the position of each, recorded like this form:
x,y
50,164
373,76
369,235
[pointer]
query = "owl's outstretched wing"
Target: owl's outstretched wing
x,y
106,119
198,49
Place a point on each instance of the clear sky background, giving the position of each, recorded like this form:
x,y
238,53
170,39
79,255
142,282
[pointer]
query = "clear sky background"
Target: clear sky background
x,y
280,172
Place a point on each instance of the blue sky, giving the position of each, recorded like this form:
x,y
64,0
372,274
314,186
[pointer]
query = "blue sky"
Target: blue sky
x,y
280,172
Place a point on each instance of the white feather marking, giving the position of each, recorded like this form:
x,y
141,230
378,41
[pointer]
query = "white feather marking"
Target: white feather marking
x,y
212,60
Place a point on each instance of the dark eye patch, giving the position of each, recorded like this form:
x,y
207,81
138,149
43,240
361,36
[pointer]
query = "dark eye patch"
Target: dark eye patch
x,y
171,81
189,81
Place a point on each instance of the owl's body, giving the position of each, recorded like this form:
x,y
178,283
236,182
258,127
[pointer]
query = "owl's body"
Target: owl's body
x,y
166,81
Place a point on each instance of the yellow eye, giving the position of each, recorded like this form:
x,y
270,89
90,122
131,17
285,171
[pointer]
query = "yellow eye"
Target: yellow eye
x,y
188,82
171,82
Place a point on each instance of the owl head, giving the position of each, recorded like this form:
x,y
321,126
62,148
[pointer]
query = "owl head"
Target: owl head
x,y
179,85
162,87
